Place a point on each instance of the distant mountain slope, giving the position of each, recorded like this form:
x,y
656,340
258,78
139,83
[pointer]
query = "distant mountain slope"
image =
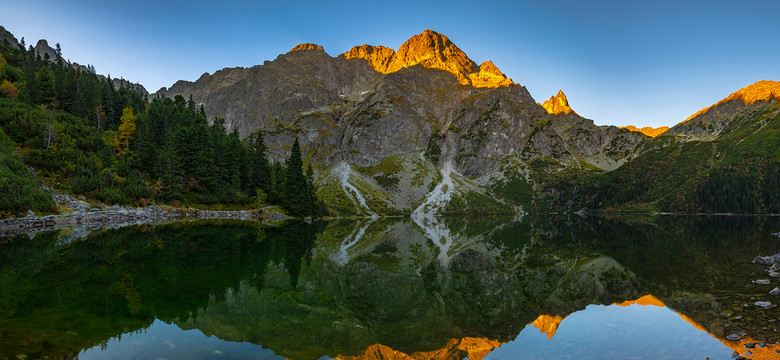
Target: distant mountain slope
x,y
724,160
647,130
713,120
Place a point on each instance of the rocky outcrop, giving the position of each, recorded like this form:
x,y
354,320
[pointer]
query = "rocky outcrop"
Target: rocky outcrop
x,y
46,52
558,104
6,35
307,46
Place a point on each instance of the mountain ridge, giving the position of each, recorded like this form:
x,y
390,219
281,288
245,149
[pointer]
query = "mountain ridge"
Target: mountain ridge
x,y
431,50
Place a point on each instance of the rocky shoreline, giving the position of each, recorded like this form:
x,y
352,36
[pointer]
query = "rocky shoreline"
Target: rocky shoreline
x,y
85,218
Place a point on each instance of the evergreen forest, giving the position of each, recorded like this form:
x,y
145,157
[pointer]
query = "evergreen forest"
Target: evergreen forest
x,y
75,130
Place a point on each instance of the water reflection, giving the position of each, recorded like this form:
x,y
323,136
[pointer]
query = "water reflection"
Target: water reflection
x,y
437,288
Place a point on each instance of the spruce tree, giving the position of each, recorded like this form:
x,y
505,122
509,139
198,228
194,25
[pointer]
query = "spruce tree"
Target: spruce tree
x,y
294,192
45,82
259,171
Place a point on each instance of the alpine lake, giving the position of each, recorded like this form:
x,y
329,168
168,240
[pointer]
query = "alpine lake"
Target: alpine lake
x,y
612,287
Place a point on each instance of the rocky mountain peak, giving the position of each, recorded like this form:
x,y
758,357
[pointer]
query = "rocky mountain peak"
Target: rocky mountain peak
x,y
43,48
307,46
431,50
489,68
558,104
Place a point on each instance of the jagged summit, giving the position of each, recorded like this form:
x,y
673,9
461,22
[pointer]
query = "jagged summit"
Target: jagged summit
x,y
431,50
307,46
647,130
558,104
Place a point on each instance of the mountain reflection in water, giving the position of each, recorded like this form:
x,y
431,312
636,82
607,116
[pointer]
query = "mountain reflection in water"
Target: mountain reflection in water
x,y
442,288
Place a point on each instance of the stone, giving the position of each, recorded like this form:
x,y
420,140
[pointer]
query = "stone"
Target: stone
x,y
748,353
750,345
762,282
732,337
764,304
775,292
769,260
758,260
30,213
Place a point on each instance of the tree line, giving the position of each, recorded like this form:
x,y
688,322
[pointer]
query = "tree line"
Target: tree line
x,y
80,132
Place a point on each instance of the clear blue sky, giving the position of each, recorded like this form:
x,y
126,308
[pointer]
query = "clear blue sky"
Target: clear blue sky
x,y
650,63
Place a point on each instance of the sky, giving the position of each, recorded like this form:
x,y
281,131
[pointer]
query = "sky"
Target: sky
x,y
643,63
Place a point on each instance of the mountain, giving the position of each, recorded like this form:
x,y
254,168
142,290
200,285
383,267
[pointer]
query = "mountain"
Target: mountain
x,y
713,120
372,118
647,130
423,130
724,159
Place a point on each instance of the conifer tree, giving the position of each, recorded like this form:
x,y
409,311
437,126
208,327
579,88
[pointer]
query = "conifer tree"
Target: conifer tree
x,y
295,196
259,171
45,86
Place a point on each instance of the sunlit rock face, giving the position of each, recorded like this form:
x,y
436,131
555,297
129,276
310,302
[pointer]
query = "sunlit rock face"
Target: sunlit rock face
x,y
434,51
306,46
558,104
455,349
709,122
647,130
548,324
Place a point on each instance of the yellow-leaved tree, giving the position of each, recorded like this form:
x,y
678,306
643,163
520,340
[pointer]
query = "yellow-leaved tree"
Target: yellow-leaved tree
x,y
121,143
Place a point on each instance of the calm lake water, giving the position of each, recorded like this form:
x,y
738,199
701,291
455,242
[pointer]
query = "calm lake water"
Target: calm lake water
x,y
665,287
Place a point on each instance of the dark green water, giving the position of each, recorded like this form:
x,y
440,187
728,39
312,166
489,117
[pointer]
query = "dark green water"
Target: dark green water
x,y
451,289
